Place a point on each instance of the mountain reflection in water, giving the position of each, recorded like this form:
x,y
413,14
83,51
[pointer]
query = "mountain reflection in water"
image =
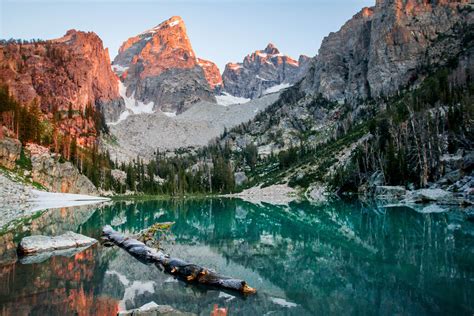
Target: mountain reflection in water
x,y
333,258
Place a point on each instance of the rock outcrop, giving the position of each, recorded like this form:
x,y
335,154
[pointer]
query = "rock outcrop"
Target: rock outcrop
x,y
262,70
212,73
10,150
45,168
386,47
59,176
70,72
159,67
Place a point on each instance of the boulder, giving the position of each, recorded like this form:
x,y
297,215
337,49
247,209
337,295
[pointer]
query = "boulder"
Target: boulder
x,y
431,195
240,178
389,192
38,243
453,176
10,150
451,162
468,162
153,309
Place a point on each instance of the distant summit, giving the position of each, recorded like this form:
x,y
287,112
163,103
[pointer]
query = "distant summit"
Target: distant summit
x,y
263,71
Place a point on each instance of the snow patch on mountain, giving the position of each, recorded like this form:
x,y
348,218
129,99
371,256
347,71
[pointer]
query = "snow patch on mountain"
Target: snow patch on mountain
x,y
174,23
123,117
169,114
137,107
118,69
277,88
226,99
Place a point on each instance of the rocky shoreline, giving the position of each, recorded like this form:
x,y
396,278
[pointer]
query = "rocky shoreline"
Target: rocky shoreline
x,y
19,200
279,194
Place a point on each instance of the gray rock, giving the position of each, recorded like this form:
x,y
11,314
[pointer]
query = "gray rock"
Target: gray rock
x,y
382,48
451,162
153,309
240,178
175,90
60,177
468,162
431,195
453,176
112,109
262,70
389,192
145,133
38,243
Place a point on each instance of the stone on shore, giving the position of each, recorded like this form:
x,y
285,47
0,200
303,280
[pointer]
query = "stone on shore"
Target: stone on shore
x,y
38,243
153,309
430,195
389,192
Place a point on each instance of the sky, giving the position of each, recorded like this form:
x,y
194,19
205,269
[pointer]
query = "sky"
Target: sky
x,y
220,30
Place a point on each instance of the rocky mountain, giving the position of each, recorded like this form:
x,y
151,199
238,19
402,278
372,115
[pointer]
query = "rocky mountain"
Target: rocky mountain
x,y
63,74
160,70
263,70
72,70
367,112
386,47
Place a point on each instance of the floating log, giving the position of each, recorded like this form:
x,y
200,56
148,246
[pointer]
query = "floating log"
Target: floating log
x,y
188,272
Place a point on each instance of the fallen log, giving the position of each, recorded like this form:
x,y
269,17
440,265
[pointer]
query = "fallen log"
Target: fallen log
x,y
188,272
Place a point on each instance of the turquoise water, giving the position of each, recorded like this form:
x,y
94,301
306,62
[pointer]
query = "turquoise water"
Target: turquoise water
x,y
341,258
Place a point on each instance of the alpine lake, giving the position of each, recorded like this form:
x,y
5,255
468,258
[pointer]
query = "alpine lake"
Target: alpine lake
x,y
334,258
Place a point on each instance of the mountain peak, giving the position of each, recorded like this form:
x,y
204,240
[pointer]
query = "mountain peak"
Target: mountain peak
x,y
271,49
163,58
171,22
262,70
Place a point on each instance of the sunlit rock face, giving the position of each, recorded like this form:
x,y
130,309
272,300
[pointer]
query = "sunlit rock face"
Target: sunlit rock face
x,y
212,73
386,47
160,66
261,70
71,70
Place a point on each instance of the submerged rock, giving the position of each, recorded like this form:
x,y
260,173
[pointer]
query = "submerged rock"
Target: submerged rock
x,y
38,244
153,309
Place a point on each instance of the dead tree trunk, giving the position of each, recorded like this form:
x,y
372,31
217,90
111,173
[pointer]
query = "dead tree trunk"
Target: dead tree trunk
x,y
188,272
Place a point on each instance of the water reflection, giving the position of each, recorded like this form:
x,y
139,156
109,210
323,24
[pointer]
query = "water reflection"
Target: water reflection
x,y
334,258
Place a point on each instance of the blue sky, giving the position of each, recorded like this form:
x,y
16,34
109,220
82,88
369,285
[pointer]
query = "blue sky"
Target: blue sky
x,y
222,31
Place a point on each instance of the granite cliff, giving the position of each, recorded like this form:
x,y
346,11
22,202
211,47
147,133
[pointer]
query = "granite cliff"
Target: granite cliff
x,y
160,70
385,48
